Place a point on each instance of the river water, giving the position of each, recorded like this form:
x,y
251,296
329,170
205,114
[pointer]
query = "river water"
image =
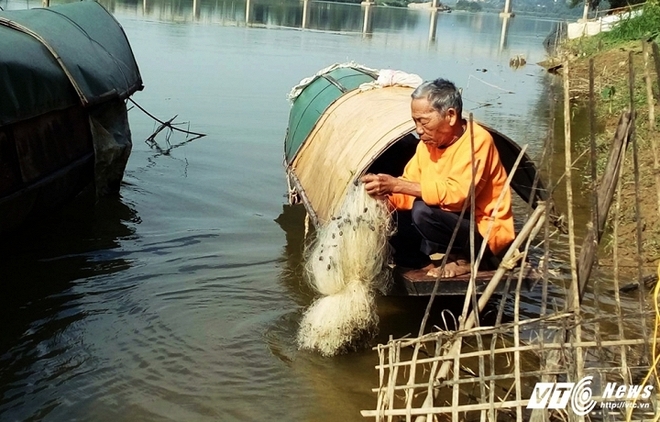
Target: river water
x,y
179,300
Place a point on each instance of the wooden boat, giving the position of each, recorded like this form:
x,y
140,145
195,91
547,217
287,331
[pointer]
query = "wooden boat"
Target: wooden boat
x,y
337,132
65,73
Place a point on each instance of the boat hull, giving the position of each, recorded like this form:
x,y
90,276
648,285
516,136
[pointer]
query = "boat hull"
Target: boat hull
x,y
66,73
46,161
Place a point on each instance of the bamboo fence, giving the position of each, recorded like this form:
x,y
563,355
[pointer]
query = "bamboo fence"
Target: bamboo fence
x,y
579,328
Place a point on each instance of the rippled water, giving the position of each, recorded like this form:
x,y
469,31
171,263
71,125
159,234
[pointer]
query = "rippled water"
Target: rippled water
x,y
179,300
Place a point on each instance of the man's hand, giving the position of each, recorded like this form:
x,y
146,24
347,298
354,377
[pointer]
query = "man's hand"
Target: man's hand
x,y
379,185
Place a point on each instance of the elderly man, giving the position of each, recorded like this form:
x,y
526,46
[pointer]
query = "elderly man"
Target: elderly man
x,y
435,185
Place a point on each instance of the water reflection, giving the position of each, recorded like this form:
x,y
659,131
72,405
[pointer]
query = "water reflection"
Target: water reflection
x,y
48,269
504,32
367,21
308,14
434,25
305,16
321,16
291,221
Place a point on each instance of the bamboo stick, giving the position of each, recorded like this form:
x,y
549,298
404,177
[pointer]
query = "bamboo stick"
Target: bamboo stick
x,y
516,341
595,212
594,187
569,183
493,345
541,415
472,294
456,387
638,211
482,375
650,105
617,298
381,378
592,148
574,304
392,380
649,85
656,60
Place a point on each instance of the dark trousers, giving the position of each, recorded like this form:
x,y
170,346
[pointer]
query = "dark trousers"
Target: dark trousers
x,y
426,230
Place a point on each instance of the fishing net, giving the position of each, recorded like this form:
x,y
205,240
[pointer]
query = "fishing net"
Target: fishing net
x,y
346,265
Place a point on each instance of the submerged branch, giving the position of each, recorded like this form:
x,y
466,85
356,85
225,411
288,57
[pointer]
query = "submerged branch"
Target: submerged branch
x,y
169,124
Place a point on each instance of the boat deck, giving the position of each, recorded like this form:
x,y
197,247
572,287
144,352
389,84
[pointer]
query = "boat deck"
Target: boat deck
x,y
415,282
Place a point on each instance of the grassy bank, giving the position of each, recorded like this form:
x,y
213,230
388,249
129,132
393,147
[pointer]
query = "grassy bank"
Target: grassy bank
x,y
611,53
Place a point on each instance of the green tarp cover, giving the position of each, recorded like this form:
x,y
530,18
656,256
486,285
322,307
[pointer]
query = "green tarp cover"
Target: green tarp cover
x,y
53,58
314,100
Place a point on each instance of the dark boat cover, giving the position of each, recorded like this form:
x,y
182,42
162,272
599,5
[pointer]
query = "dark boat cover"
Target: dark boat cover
x,y
56,57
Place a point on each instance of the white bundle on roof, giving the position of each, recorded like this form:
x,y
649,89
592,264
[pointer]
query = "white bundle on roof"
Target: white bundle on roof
x,y
298,89
345,264
390,77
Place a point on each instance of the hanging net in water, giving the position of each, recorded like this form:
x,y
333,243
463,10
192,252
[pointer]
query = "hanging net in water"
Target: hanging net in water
x,y
346,264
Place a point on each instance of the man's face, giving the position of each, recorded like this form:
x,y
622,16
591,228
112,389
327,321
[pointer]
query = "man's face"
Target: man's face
x,y
433,129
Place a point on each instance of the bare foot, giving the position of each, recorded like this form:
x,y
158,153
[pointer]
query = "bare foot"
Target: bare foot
x,y
452,269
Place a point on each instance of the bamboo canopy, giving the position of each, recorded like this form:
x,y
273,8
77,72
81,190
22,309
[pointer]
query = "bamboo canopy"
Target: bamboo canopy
x,y
349,136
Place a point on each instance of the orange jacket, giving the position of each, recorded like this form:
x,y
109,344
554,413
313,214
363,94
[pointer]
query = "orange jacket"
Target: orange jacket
x,y
445,176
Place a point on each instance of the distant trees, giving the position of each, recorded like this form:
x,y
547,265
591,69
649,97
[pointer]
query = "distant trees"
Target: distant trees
x,y
470,6
395,3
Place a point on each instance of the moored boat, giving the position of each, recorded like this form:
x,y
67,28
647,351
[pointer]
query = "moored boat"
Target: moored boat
x,y
64,76
349,120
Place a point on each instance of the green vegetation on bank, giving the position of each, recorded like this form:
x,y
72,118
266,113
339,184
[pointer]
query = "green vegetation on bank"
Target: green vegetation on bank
x,y
644,26
611,53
